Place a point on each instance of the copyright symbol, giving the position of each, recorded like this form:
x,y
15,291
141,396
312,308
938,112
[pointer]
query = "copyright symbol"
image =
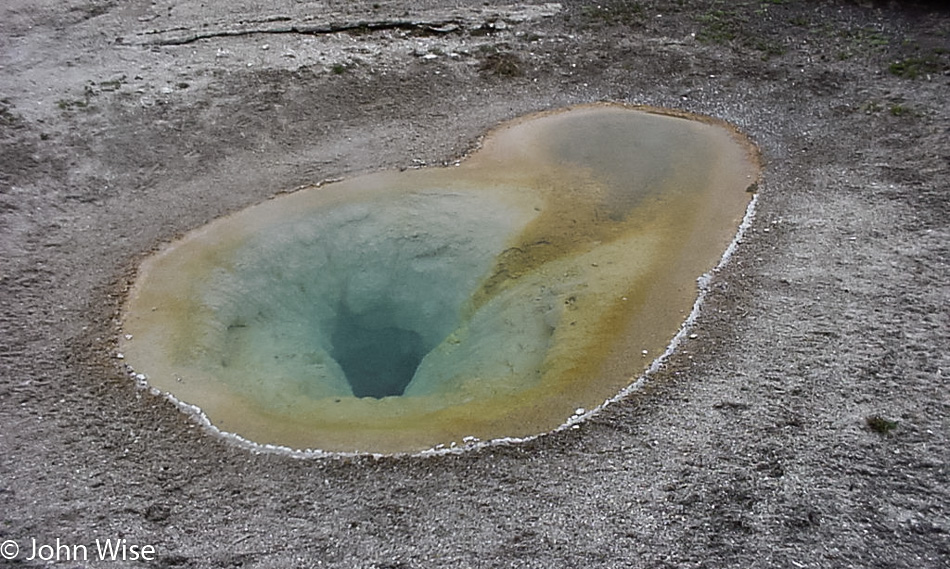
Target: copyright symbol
x,y
9,549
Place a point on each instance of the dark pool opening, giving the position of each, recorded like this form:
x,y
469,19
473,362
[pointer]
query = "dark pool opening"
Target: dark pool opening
x,y
379,359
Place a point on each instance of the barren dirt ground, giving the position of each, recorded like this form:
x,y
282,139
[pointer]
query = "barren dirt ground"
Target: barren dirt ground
x,y
806,425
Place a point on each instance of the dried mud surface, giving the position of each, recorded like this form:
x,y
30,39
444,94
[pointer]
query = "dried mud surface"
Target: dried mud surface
x,y
126,123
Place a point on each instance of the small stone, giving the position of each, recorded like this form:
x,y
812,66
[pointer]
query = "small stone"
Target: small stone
x,y
157,513
580,411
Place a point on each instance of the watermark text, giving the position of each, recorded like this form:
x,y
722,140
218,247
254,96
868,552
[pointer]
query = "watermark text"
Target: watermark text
x,y
119,549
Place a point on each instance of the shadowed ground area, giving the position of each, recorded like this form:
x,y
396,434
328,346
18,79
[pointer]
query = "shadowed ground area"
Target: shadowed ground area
x,y
802,421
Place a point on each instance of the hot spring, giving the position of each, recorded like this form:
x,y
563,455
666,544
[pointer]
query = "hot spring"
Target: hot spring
x,y
397,311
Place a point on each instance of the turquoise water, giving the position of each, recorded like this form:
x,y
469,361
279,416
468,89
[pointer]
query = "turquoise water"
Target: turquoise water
x,y
348,301
400,310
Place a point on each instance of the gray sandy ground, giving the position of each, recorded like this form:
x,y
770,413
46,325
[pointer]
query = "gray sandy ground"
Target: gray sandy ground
x,y
126,123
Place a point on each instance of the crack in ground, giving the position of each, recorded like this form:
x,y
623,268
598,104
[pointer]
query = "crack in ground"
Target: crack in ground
x,y
443,22
435,27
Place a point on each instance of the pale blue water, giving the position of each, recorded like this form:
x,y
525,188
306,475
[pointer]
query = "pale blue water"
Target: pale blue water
x,y
399,310
348,301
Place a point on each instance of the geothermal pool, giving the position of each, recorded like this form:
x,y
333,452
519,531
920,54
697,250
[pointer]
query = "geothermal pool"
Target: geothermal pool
x,y
398,311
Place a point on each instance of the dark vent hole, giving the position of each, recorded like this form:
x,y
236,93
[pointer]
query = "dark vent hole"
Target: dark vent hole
x,y
379,361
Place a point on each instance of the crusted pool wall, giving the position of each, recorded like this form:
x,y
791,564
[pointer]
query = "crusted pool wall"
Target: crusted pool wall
x,y
537,279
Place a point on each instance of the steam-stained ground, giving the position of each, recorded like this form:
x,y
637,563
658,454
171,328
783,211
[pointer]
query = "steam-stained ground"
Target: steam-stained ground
x,y
806,425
